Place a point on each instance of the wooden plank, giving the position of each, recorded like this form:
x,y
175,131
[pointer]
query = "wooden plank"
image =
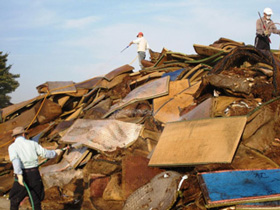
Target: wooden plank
x,y
207,50
203,141
123,69
224,188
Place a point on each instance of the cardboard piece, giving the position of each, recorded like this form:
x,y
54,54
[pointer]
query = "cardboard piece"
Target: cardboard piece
x,y
185,143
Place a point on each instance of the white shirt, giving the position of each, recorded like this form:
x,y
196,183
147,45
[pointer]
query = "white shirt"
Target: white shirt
x,y
27,151
142,44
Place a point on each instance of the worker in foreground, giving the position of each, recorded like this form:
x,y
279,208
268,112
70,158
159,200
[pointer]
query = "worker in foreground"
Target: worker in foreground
x,y
142,46
24,156
264,27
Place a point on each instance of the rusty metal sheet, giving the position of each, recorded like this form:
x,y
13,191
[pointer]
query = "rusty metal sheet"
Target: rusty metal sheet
x,y
57,87
215,141
102,135
160,193
123,69
153,89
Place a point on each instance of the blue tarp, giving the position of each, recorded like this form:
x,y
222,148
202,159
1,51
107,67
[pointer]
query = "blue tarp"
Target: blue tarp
x,y
173,75
241,186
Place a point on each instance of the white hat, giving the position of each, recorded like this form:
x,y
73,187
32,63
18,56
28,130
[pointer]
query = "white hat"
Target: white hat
x,y
268,11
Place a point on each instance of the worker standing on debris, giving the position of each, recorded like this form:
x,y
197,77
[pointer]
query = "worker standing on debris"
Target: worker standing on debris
x,y
24,156
264,27
142,46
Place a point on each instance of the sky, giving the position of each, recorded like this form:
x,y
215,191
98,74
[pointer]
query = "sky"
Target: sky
x,y
75,40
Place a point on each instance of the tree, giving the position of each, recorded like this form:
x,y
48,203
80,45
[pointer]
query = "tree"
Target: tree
x,y
8,83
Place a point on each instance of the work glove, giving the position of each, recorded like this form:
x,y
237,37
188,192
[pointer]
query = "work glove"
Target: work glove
x,y
58,152
20,179
266,32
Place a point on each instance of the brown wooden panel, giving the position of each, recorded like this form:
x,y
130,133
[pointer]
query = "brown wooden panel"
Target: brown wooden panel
x,y
22,120
212,140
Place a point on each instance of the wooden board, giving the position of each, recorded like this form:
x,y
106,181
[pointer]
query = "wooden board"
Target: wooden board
x,y
224,188
212,140
206,50
167,108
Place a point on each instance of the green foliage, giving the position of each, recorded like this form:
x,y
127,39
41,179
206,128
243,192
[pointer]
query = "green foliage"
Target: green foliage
x,y
8,83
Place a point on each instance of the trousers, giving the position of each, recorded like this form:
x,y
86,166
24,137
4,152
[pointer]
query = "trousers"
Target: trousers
x,y
33,180
141,56
262,42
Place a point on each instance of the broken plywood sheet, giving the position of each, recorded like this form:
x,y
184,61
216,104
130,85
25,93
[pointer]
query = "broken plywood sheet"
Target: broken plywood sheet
x,y
234,187
207,50
15,107
57,87
48,111
123,69
69,161
24,119
203,110
214,140
167,108
61,178
153,89
89,84
160,193
102,135
136,173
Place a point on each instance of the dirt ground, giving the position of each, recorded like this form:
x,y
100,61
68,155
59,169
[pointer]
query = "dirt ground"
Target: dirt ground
x,y
4,203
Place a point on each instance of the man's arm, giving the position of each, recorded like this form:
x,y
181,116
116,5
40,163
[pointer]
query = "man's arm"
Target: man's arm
x,y
17,170
259,27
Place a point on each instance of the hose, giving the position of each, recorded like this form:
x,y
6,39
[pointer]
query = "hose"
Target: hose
x,y
29,194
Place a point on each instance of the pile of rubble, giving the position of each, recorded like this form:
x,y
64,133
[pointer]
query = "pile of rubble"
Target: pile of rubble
x,y
146,138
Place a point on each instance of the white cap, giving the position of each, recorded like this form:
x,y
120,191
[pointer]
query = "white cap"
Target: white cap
x,y
268,11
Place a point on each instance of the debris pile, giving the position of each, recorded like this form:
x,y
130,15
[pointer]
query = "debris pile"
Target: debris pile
x,y
160,137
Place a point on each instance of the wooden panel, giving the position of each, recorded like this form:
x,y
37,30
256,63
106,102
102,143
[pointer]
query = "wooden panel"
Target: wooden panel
x,y
167,108
22,120
123,69
48,112
186,143
153,89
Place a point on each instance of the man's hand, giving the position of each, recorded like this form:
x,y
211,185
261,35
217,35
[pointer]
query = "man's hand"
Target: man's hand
x,y
58,152
20,179
266,32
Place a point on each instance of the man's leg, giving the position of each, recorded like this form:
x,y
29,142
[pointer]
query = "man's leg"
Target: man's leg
x,y
141,56
36,187
17,194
